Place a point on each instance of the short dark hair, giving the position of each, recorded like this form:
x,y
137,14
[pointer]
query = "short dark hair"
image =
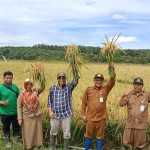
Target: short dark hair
x,y
8,73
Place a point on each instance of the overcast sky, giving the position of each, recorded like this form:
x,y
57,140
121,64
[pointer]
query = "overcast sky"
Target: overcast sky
x,y
83,22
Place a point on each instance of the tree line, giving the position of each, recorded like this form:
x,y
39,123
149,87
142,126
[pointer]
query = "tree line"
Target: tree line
x,y
57,53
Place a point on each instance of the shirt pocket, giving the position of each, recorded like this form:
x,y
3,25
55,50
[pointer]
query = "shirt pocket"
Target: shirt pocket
x,y
90,95
131,103
145,102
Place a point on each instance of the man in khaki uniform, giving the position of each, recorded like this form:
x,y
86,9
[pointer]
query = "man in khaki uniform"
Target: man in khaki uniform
x,y
94,109
137,121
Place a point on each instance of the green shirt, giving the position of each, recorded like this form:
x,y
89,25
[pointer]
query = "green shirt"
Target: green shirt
x,y
7,94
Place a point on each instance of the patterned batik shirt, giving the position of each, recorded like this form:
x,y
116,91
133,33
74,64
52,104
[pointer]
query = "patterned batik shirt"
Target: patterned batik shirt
x,y
60,100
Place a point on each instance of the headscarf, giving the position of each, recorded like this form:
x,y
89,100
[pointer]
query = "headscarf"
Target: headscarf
x,y
29,98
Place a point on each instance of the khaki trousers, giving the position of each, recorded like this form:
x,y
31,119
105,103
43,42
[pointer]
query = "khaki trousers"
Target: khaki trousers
x,y
65,125
97,126
134,137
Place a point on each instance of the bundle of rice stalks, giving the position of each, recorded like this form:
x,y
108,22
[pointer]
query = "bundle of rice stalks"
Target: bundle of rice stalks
x,y
75,59
37,73
110,48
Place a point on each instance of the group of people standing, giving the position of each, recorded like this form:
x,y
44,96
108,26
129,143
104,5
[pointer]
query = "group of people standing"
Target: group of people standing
x,y
23,109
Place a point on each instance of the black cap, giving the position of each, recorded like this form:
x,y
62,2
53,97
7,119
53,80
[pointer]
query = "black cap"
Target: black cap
x,y
98,75
138,80
61,74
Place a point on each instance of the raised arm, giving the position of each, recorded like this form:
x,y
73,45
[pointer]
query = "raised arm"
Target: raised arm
x,y
111,82
124,100
73,84
41,89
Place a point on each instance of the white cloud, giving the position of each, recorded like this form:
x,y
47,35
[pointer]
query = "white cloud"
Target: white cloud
x,y
124,39
135,21
119,16
28,22
66,9
10,38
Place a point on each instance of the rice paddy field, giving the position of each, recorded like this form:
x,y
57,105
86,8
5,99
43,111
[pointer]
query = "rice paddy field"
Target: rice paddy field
x,y
116,119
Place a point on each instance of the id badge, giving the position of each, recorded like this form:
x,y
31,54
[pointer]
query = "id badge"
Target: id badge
x,y
141,108
101,99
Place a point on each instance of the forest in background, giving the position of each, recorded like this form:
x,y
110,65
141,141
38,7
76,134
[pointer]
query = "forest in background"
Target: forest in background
x,y
57,53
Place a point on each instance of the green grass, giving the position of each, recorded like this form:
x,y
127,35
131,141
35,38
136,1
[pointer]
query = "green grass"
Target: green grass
x,y
15,146
20,147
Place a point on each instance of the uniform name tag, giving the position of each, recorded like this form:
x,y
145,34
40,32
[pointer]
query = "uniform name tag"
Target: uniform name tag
x,y
141,108
101,99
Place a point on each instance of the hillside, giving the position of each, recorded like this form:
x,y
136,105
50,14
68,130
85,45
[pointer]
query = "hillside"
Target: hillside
x,y
56,53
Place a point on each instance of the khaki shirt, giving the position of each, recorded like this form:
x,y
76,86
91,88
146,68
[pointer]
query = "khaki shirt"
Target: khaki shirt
x,y
91,105
136,118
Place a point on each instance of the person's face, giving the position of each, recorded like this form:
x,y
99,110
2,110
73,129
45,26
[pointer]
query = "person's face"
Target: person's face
x,y
29,86
61,80
137,87
98,82
8,79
